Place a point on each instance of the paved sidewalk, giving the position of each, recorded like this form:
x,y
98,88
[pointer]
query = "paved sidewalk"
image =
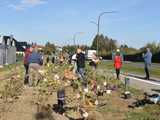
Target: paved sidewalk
x,y
150,86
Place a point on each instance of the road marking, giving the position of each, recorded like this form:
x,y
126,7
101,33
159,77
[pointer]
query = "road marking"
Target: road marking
x,y
145,81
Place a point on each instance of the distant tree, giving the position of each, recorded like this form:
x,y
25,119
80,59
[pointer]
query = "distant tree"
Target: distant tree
x,y
128,50
154,47
84,47
49,48
105,45
94,43
112,44
71,49
124,46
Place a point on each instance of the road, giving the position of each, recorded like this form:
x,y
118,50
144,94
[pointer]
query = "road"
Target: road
x,y
149,86
140,64
135,68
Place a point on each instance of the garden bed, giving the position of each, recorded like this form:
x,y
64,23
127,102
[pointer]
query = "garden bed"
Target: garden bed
x,y
35,103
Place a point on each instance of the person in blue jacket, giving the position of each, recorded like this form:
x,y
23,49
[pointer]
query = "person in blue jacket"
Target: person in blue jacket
x,y
35,57
35,61
147,62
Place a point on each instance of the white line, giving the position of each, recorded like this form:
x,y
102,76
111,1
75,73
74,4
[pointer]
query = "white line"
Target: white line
x,y
149,82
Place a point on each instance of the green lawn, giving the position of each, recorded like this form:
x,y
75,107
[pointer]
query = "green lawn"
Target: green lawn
x,y
6,70
9,69
131,68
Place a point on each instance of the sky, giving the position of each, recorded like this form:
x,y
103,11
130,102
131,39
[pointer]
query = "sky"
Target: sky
x,y
135,22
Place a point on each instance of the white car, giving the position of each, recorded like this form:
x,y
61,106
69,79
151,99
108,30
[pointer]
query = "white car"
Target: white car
x,y
89,54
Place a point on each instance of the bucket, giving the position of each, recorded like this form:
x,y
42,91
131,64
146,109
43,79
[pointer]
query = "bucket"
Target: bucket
x,y
61,97
127,95
108,91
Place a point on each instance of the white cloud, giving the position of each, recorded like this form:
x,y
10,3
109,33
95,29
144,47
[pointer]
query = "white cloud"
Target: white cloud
x,y
33,2
23,4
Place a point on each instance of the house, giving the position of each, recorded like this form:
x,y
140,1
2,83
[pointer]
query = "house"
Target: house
x,y
20,46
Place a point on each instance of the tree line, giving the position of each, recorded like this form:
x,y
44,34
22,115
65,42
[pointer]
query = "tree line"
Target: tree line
x,y
106,46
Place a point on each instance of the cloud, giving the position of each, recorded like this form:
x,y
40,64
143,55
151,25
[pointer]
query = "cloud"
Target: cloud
x,y
23,4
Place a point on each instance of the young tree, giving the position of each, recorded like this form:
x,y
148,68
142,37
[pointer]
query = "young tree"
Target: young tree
x,y
105,45
154,47
49,48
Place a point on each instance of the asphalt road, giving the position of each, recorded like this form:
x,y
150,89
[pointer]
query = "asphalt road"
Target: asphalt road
x,y
149,86
140,64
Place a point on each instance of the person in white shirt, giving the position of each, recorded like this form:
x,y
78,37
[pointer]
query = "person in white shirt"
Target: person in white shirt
x,y
74,59
94,61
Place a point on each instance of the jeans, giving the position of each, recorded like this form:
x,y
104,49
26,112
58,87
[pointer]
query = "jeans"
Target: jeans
x,y
26,66
74,67
81,73
146,68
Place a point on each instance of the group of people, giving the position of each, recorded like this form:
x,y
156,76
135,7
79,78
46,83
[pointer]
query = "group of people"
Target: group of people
x,y
33,60
147,56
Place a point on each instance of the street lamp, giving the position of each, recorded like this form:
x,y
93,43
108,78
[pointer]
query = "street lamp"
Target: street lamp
x,y
74,37
94,23
98,23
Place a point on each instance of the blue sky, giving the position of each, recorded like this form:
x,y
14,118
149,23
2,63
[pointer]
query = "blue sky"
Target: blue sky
x,y
135,23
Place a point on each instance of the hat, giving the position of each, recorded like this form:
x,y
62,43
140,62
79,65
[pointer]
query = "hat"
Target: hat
x,y
118,50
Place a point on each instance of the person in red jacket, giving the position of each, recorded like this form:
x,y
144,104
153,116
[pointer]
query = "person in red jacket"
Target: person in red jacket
x,y
117,63
27,53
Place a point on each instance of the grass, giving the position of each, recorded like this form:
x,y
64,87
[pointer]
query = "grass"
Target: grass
x,y
149,112
131,68
115,108
9,67
7,71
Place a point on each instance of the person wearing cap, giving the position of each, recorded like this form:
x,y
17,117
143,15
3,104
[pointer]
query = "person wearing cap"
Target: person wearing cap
x,y
117,63
147,62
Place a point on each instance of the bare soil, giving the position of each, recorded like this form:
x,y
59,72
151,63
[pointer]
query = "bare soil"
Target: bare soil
x,y
26,106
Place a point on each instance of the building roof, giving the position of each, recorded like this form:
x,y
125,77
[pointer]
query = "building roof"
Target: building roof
x,y
20,46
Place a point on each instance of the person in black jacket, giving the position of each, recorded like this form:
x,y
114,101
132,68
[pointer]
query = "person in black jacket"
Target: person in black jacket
x,y
81,65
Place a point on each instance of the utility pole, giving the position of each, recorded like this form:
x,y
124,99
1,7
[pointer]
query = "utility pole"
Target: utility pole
x,y
98,25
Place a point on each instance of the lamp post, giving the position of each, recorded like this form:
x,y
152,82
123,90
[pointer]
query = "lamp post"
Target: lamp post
x,y
94,23
98,23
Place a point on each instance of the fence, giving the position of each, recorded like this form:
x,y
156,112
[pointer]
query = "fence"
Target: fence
x,y
136,57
